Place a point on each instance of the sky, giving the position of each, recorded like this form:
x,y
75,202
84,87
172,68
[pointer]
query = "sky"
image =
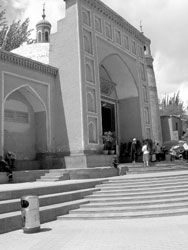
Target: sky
x,y
164,22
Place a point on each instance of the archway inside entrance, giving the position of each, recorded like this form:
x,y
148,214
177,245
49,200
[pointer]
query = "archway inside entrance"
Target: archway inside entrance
x,y
108,116
25,126
119,99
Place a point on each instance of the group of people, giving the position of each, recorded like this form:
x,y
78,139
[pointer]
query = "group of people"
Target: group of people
x,y
7,164
147,152
151,153
134,152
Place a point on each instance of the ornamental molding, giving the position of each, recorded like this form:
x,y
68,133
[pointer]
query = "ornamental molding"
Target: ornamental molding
x,y
106,86
27,63
116,18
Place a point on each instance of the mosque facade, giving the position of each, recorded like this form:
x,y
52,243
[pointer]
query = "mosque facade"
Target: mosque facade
x,y
61,94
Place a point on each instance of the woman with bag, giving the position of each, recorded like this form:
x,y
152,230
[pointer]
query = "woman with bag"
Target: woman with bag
x,y
145,150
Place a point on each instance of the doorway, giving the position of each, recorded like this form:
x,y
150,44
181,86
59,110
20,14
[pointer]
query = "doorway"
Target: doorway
x,y
108,117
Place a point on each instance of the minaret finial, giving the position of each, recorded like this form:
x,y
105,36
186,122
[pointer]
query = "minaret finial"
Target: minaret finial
x,y
43,16
141,27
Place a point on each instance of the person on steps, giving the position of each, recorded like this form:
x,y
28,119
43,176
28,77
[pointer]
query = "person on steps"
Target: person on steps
x,y
145,150
134,150
6,168
114,163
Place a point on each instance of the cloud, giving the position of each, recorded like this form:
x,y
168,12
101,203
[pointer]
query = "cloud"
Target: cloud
x,y
54,10
22,9
164,23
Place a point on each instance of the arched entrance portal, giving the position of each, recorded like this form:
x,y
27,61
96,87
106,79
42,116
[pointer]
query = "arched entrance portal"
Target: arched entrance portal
x,y
25,126
119,99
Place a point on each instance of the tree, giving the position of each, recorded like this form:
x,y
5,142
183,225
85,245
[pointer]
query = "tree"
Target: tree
x,y
11,37
185,136
172,105
2,18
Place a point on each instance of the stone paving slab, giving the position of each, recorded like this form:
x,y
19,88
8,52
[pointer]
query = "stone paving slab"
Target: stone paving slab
x,y
170,233
165,233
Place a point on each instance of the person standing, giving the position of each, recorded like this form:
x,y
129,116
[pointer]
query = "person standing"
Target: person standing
x,y
145,150
158,152
10,159
134,150
114,163
6,168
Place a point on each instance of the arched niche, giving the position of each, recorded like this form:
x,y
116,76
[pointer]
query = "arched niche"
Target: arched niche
x,y
25,123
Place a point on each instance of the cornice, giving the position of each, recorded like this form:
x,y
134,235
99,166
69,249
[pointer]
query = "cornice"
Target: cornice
x,y
27,63
117,19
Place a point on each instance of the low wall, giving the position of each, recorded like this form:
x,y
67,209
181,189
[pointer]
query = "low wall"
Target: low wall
x,y
88,173
22,176
98,172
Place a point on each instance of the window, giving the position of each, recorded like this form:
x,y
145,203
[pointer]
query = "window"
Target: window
x,y
90,70
86,17
133,47
91,102
118,36
146,115
98,24
140,52
142,72
126,42
145,95
148,133
39,36
89,73
92,130
87,42
46,36
16,116
92,133
108,30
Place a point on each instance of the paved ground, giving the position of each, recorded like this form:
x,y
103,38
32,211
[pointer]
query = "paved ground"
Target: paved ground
x,y
165,233
137,234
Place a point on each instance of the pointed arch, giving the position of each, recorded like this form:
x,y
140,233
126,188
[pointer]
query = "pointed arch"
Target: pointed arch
x,y
37,121
31,90
113,68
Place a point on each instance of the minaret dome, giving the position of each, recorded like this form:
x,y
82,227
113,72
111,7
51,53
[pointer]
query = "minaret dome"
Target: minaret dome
x,y
43,28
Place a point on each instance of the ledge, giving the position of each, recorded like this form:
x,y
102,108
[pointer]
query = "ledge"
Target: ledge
x,y
27,63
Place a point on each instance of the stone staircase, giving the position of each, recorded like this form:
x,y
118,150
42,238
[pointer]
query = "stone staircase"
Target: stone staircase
x,y
54,199
136,196
157,167
55,175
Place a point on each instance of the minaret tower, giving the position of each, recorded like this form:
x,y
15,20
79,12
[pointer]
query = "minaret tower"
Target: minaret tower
x,y
152,93
43,28
153,97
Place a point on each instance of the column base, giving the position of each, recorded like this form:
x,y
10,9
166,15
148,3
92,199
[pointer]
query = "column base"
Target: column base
x,y
87,161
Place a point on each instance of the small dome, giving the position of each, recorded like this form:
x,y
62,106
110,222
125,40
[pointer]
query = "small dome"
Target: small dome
x,y
43,22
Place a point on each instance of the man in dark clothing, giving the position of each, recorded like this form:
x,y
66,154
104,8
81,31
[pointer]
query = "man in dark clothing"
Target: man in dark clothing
x,y
114,163
6,168
10,159
133,150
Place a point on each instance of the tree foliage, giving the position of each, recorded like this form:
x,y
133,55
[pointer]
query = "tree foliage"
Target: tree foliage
x,y
2,18
185,136
172,105
13,35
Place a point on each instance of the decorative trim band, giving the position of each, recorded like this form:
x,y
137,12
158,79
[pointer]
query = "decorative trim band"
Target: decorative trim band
x,y
28,63
117,19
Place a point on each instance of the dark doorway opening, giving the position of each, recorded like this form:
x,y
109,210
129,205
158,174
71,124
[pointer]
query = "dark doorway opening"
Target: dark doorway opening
x,y
108,117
